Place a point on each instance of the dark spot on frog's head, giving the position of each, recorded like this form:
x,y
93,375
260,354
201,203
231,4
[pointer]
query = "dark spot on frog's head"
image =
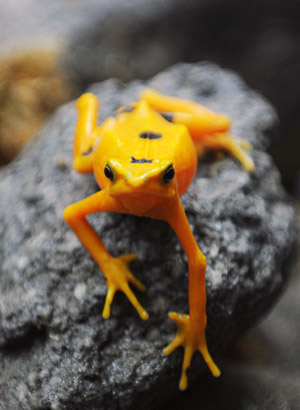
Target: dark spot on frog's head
x,y
140,161
151,135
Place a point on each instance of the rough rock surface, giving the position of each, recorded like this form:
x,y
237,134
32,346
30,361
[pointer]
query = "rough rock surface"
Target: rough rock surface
x,y
56,350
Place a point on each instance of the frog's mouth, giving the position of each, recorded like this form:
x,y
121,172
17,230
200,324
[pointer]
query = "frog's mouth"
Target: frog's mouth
x,y
140,203
141,188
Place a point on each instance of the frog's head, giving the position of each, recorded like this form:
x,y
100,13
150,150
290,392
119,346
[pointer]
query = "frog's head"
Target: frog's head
x,y
143,176
142,181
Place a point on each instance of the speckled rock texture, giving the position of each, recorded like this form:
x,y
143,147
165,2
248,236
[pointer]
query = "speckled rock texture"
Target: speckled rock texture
x,y
56,350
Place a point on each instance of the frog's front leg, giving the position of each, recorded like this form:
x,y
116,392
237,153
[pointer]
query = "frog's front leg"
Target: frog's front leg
x,y
191,328
115,270
84,136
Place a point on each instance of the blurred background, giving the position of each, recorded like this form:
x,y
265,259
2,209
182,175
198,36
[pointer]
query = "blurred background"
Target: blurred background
x,y
51,51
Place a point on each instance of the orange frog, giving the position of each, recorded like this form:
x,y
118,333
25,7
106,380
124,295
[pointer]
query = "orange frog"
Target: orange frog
x,y
144,160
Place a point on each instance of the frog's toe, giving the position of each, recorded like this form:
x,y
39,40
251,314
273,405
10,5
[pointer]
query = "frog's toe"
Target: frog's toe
x,y
131,278
188,354
243,143
128,257
118,276
237,147
192,340
112,288
208,360
135,303
176,342
109,299
179,320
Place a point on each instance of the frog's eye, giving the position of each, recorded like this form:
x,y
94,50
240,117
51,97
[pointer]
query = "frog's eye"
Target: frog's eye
x,y
168,175
109,173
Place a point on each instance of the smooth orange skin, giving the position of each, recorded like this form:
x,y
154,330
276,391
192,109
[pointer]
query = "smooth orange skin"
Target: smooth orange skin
x,y
137,188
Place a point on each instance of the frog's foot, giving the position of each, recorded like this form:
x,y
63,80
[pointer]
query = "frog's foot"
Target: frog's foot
x,y
118,277
191,340
237,147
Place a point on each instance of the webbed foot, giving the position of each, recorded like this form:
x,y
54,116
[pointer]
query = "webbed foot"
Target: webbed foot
x,y
118,276
191,340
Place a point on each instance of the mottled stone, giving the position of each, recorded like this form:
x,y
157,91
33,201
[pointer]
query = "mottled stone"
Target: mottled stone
x,y
56,350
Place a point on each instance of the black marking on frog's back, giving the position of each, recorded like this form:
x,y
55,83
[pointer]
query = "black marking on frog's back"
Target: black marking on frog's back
x,y
168,117
140,161
150,135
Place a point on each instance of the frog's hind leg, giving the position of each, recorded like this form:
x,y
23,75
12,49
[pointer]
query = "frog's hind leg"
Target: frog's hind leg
x,y
207,128
195,116
226,142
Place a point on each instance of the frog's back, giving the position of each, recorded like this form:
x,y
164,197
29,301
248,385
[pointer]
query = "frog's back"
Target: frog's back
x,y
144,135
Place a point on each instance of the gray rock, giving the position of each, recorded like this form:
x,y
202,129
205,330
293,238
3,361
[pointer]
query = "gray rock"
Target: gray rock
x,y
56,350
